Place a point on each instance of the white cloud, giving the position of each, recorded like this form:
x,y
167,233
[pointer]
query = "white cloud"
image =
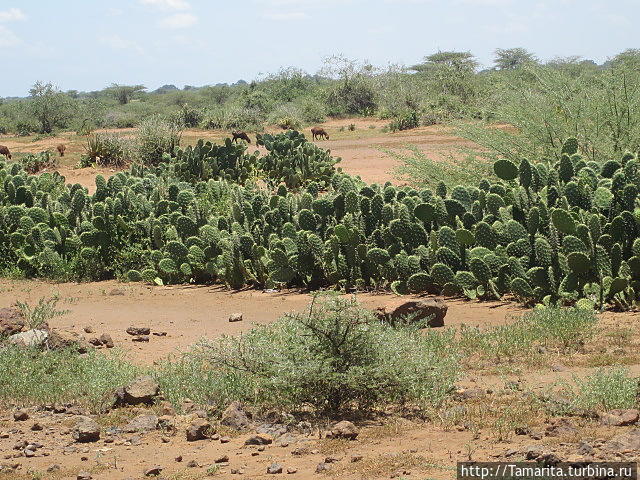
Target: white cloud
x,y
284,17
12,15
8,38
179,20
168,4
116,42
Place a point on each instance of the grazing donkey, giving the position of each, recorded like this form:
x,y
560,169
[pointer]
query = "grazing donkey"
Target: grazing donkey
x,y
61,148
318,132
5,151
240,135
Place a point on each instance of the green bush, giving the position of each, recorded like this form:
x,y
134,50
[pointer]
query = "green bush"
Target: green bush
x,y
405,121
36,162
157,137
606,389
334,358
60,376
108,150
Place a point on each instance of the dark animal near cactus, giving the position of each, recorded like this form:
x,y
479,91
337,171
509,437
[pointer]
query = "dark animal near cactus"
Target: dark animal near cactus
x,y
5,151
240,135
318,132
61,148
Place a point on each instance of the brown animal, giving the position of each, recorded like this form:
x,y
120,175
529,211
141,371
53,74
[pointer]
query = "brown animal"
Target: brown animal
x,y
5,151
240,135
61,148
318,132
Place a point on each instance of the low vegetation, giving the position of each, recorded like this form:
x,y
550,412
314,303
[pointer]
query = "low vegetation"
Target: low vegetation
x,y
334,358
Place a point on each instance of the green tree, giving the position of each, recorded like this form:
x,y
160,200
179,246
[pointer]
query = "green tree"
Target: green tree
x,y
629,59
50,107
124,93
450,73
512,58
354,92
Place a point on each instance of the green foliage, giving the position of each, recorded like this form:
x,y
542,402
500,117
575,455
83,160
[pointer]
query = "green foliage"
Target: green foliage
x,y
336,357
61,376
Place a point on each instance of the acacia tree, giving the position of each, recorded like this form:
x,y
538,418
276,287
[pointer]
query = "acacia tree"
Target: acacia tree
x,y
513,58
49,106
124,93
450,73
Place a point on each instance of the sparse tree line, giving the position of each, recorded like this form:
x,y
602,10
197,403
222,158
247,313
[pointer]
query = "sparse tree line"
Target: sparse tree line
x,y
445,86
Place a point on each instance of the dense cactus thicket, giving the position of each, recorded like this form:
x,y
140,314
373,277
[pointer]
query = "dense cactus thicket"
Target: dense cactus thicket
x,y
545,232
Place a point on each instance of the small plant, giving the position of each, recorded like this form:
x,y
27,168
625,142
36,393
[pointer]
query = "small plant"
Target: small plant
x,y
37,316
156,138
36,162
336,357
352,127
107,150
405,121
606,389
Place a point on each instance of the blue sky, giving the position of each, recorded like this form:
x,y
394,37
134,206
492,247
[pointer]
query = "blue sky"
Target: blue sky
x,y
88,44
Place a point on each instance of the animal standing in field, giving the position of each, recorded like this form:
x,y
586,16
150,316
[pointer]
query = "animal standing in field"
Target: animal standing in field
x,y
240,135
61,148
5,151
318,132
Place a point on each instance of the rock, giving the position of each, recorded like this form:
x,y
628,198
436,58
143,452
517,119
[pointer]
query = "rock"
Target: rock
x,y
141,338
84,476
291,470
559,427
533,451
322,467
222,459
116,291
344,429
274,469
433,310
160,334
53,468
274,429
356,458
198,430
260,439
178,458
30,338
166,423
558,367
620,417
331,460
167,409
11,321
225,439
142,423
106,340
88,329
86,430
236,417
20,415
63,339
142,390
625,442
549,458
95,342
133,331
153,471
235,317
36,427
469,393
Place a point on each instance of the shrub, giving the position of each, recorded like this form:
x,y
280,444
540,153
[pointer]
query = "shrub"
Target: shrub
x,y
313,111
38,315
335,357
405,121
108,150
231,117
188,116
561,329
155,138
286,117
61,376
606,389
36,162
